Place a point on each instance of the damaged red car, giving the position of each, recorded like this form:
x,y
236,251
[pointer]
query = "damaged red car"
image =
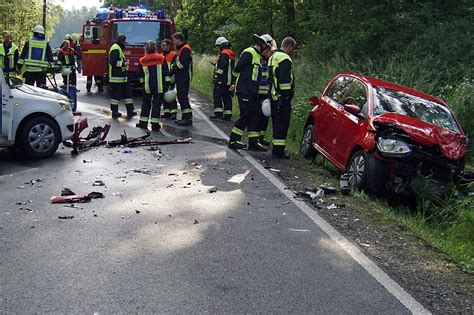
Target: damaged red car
x,y
385,136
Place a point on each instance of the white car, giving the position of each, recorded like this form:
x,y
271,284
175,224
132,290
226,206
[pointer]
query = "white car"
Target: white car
x,y
33,119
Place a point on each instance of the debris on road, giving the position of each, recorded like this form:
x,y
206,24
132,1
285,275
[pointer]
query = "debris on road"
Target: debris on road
x,y
142,171
95,195
212,190
125,140
127,151
344,184
67,217
34,181
196,222
328,190
67,192
73,206
137,211
70,199
98,183
26,209
96,137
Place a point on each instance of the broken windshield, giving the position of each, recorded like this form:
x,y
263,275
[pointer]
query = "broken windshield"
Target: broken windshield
x,y
391,101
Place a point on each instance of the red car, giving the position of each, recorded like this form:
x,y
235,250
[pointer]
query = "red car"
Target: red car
x,y
385,136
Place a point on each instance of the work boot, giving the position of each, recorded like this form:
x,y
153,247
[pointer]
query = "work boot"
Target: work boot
x,y
280,155
264,142
227,118
185,122
116,114
155,127
236,146
100,90
257,147
131,114
142,125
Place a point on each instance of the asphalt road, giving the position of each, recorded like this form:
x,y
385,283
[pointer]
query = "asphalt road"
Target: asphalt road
x,y
160,241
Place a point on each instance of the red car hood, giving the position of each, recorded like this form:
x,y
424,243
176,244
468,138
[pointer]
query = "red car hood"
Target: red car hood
x,y
451,144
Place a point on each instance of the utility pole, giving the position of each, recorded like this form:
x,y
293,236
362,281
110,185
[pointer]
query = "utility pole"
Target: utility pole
x,y
44,16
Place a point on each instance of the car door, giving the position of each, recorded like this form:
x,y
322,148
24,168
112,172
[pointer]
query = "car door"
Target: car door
x,y
6,114
352,128
327,122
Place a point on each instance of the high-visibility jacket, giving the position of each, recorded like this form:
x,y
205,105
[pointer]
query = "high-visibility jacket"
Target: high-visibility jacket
x,y
67,57
36,55
223,68
281,75
264,79
117,68
248,72
8,58
183,66
170,57
153,73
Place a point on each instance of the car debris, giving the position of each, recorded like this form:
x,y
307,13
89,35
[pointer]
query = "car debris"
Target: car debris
x,y
125,140
298,230
34,181
196,222
96,137
67,192
67,217
344,184
98,183
212,190
75,198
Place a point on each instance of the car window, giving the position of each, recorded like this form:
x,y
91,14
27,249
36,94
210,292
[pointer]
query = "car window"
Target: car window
x,y
337,90
391,101
357,94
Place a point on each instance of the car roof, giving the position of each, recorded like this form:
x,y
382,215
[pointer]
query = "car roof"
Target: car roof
x,y
393,86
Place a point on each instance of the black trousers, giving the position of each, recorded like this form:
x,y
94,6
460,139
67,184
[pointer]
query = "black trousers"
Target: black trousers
x,y
151,101
281,114
222,101
262,120
98,80
72,78
35,77
119,90
250,112
182,91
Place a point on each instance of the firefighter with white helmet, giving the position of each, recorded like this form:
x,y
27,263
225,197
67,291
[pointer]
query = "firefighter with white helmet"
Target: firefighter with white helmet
x,y
35,57
248,71
223,80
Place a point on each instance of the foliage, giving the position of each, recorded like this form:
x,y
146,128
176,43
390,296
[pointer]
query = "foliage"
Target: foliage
x,y
71,21
20,16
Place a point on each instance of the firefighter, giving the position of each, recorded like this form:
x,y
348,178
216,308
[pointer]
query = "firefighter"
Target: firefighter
x,y
263,94
223,80
170,109
98,79
8,56
35,57
67,59
182,68
282,91
248,71
118,79
153,73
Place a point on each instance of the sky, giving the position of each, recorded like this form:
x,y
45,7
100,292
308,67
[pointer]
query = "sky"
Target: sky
x,y
69,4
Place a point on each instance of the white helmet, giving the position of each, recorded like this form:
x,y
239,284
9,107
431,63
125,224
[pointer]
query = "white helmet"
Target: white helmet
x,y
266,107
38,29
66,71
221,40
170,96
269,41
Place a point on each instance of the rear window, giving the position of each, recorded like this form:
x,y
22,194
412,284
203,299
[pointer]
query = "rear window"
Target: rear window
x,y
391,101
138,32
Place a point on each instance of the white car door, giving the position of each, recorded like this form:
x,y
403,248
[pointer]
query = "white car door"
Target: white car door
x,y
6,114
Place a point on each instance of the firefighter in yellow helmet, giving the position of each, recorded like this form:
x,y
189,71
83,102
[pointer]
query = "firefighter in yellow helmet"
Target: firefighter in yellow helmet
x,y
8,55
36,57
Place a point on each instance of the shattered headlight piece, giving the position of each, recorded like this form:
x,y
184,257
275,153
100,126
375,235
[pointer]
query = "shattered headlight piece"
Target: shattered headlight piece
x,y
393,147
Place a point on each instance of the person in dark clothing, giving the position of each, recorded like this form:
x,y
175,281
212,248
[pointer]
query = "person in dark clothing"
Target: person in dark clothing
x,y
67,60
35,57
99,81
182,68
282,91
169,109
118,79
223,80
248,71
8,56
153,73
263,94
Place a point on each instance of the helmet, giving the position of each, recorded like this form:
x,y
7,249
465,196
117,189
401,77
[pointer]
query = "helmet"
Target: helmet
x,y
66,71
75,36
170,96
38,29
265,40
67,36
221,40
266,107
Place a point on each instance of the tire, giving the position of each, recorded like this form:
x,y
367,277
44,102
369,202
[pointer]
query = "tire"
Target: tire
x,y
39,137
306,145
358,170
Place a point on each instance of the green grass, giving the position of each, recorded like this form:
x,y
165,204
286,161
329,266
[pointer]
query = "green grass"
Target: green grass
x,y
448,224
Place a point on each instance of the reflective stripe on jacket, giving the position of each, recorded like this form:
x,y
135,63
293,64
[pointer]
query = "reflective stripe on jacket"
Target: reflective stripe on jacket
x,y
247,71
224,66
282,81
10,56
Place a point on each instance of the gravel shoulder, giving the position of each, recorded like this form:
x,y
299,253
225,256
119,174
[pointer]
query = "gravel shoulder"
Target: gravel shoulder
x,y
423,270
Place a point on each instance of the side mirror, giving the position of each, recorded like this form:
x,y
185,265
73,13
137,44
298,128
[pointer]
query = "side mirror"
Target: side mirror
x,y
314,101
353,109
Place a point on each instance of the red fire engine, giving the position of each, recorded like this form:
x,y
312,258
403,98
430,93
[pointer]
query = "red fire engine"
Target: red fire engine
x,y
139,25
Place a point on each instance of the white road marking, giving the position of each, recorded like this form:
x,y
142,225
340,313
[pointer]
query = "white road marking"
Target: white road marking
x,y
388,283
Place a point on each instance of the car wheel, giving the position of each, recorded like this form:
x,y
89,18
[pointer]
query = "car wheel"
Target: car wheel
x,y
306,146
39,137
358,170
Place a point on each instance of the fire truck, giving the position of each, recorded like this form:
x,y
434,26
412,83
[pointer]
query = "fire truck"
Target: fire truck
x,y
137,23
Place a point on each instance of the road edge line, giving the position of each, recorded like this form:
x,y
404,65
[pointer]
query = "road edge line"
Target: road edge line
x,y
375,271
